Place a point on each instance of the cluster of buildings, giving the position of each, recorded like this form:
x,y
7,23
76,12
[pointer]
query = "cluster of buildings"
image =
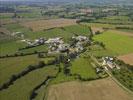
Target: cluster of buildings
x,y
80,41
109,63
35,42
57,44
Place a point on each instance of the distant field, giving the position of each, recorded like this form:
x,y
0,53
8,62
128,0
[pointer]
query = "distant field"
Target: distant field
x,y
6,15
78,29
117,43
103,25
127,58
104,89
47,24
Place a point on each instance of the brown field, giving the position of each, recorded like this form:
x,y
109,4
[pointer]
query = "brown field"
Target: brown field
x,y
127,58
47,24
104,89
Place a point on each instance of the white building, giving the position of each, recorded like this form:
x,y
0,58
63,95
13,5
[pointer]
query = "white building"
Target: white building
x,y
80,38
54,40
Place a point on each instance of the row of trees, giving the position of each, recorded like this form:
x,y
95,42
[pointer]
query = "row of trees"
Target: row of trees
x,y
21,54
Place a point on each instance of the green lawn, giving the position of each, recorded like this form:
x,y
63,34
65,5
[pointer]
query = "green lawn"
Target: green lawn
x,y
22,88
82,67
117,43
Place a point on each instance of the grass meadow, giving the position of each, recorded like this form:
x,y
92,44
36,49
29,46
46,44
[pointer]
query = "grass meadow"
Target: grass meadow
x,y
117,43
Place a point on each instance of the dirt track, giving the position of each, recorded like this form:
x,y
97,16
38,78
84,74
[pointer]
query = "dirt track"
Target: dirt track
x,y
104,89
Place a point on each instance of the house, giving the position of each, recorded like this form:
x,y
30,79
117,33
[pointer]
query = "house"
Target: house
x,y
109,61
54,40
40,41
80,38
63,47
98,70
79,47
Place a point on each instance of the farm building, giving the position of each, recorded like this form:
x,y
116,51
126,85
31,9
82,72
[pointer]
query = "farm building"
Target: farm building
x,y
55,40
109,61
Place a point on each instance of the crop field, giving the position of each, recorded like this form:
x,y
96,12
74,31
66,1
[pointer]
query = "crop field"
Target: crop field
x,y
104,89
127,58
27,84
47,24
117,43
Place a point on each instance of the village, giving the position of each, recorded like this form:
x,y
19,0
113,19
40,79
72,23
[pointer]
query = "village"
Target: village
x,y
57,45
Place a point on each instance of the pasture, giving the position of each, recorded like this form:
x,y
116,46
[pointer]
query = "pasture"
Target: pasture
x,y
10,47
103,89
117,43
82,66
22,88
15,65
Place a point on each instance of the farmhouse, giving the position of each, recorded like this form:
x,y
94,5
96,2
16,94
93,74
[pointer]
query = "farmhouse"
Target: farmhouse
x,y
40,41
109,61
80,38
63,47
79,46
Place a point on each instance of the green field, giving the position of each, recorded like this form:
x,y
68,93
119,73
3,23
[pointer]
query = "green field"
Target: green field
x,y
22,88
61,77
98,51
117,43
82,66
10,47
78,29
15,65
